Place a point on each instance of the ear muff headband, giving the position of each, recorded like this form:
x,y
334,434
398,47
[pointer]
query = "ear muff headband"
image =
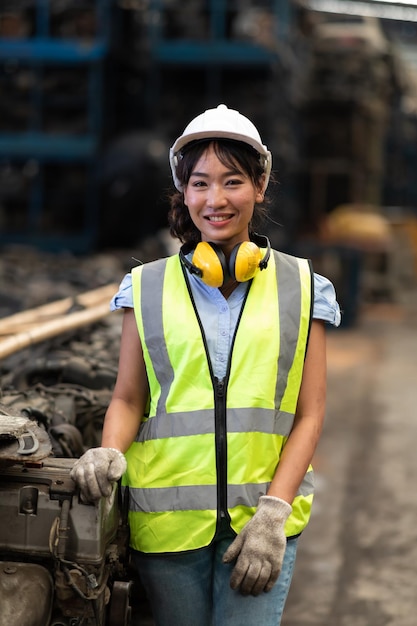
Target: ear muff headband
x,y
209,261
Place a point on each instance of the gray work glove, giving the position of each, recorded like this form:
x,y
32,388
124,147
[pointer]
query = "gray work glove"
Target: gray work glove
x,y
259,548
96,470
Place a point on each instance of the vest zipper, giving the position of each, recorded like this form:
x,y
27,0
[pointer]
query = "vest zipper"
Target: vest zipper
x,y
220,410
220,418
221,447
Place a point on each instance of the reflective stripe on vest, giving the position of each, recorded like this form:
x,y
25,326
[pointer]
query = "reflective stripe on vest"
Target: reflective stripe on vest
x,y
186,461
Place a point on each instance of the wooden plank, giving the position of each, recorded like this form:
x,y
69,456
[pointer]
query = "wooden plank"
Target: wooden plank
x,y
59,319
25,320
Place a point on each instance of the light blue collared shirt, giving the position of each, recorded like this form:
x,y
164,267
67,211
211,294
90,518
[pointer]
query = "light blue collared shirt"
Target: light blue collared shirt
x,y
219,316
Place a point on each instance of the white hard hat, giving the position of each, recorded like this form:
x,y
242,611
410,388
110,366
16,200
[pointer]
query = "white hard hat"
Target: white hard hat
x,y
221,123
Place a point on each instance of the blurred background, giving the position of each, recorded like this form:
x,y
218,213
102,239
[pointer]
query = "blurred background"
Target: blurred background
x,y
93,93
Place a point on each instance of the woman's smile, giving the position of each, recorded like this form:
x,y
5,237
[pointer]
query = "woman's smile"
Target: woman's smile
x,y
218,218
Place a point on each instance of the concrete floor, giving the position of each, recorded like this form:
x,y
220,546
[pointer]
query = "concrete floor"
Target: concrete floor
x,y
357,560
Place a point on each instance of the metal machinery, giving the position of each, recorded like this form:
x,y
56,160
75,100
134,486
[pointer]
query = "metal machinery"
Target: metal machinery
x,y
62,562
51,92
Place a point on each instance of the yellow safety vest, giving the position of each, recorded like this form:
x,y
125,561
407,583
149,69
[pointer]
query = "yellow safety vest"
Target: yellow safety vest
x,y
208,449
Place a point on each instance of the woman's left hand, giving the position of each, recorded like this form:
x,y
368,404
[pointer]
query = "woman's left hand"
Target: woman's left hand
x,y
259,548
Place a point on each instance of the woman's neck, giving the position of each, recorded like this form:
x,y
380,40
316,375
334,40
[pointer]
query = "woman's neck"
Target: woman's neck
x,y
227,288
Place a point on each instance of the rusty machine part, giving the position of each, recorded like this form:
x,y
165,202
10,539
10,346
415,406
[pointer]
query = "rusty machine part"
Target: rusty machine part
x,y
61,559
34,584
62,562
22,438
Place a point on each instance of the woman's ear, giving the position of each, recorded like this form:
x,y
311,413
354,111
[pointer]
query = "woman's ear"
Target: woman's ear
x,y
261,189
260,194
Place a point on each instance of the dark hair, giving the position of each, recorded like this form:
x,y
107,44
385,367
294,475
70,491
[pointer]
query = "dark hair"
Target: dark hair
x,y
231,153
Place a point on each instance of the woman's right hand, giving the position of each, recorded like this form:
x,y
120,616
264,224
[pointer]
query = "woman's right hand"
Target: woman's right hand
x,y
96,471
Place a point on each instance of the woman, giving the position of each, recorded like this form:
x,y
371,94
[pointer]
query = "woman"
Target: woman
x,y
220,395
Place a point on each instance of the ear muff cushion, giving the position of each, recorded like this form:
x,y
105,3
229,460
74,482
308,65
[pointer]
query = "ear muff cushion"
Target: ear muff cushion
x,y
244,261
211,261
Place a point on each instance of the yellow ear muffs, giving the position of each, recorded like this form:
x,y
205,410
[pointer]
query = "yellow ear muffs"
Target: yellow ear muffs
x,y
244,261
211,261
210,264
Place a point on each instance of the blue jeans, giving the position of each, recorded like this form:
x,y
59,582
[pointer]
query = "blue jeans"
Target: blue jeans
x,y
193,588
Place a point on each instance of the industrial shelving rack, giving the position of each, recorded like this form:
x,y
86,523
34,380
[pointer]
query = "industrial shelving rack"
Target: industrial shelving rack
x,y
216,47
51,83
197,39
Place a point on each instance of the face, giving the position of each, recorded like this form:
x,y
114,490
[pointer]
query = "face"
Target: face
x,y
220,201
